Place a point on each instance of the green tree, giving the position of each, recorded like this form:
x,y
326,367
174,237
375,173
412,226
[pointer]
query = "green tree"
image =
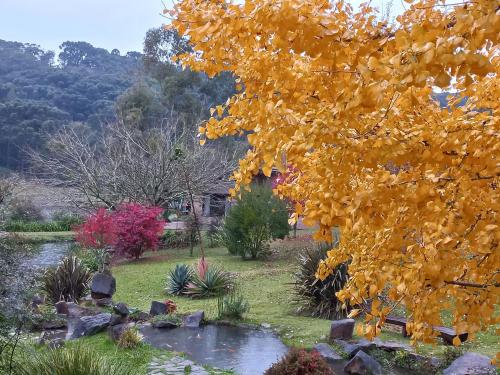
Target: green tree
x,y
256,218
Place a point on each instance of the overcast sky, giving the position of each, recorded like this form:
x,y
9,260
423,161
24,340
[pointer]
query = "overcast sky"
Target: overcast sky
x,y
108,24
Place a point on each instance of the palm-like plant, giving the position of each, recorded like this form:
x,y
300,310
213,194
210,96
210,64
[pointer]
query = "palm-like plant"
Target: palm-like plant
x,y
315,297
69,281
178,279
214,282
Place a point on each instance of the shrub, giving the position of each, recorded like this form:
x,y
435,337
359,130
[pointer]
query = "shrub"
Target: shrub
x,y
232,306
138,228
75,360
257,218
98,230
36,226
69,281
208,281
178,279
176,239
317,297
213,234
300,362
23,209
95,260
130,338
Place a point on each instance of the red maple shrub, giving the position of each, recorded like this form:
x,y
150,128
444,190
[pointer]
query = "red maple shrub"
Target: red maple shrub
x,y
138,228
130,230
98,230
300,362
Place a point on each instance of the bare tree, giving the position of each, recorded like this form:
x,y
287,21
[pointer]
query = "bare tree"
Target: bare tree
x,y
127,164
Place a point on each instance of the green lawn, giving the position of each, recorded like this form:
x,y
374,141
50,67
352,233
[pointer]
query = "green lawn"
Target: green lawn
x,y
265,284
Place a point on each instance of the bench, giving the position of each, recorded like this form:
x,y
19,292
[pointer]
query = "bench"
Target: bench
x,y
446,333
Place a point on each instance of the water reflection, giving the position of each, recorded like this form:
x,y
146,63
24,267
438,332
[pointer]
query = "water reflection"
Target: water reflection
x,y
246,351
49,254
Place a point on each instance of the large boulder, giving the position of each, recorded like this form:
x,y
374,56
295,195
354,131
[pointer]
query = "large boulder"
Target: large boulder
x,y
471,364
363,364
194,320
342,329
158,308
103,286
328,354
89,325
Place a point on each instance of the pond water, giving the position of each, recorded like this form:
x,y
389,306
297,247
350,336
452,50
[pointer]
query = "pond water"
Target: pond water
x,y
244,350
49,254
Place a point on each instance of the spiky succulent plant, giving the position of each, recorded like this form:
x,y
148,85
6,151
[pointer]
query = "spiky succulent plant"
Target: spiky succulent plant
x,y
178,279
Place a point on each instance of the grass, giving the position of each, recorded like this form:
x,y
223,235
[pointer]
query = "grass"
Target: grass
x,y
266,286
137,358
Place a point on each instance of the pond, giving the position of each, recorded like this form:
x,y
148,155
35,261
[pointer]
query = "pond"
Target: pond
x,y
49,254
244,350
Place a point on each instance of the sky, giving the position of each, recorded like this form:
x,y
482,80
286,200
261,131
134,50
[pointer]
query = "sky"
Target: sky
x,y
107,24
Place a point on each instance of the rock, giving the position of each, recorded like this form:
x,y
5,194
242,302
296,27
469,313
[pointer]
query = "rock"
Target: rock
x,y
265,325
90,325
165,324
36,301
471,364
431,363
392,346
116,319
114,332
103,286
121,309
158,308
327,353
53,339
54,324
76,311
342,329
62,308
363,364
194,319
104,302
139,316
176,366
352,348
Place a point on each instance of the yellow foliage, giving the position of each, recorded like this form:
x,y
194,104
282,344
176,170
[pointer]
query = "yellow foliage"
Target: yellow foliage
x,y
347,100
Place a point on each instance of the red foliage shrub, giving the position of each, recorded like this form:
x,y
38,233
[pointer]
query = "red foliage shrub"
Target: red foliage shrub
x,y
171,306
97,231
138,228
300,362
130,230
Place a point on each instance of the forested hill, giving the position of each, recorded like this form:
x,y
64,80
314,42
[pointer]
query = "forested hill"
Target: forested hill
x,y
38,94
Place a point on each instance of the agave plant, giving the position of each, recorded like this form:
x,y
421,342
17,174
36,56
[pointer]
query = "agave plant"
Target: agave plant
x,y
315,297
214,282
178,279
69,281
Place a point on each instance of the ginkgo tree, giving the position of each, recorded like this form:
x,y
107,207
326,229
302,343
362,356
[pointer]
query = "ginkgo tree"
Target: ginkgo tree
x,y
346,100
